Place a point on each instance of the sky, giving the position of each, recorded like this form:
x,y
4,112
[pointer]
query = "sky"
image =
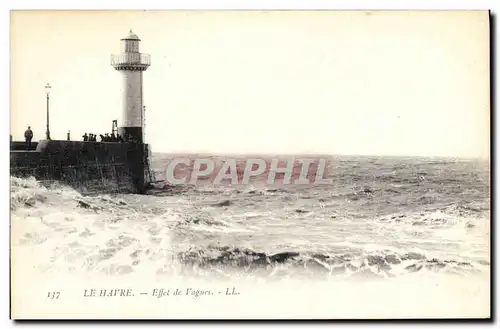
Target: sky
x,y
330,82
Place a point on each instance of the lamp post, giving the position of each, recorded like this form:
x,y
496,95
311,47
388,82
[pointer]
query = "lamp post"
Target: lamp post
x,y
47,93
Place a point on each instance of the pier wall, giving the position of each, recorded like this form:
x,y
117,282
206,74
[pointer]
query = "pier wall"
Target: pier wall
x,y
19,146
86,166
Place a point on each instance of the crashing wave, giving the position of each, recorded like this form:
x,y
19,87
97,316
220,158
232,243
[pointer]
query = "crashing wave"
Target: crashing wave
x,y
295,263
26,192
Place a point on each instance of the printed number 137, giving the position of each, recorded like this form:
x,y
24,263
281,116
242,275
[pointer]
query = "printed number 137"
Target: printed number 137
x,y
53,295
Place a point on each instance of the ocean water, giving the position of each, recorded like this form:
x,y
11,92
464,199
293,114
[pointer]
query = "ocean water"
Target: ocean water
x,y
381,220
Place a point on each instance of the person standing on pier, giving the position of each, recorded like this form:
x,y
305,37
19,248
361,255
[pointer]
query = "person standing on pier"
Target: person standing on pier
x,y
28,136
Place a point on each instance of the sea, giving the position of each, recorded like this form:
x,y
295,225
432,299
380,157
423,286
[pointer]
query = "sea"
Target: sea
x,y
383,221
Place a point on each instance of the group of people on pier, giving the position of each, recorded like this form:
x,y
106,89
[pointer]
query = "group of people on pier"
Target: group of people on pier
x,y
28,137
104,138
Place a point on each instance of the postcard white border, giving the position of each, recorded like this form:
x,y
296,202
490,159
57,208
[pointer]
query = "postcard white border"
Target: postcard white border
x,y
185,4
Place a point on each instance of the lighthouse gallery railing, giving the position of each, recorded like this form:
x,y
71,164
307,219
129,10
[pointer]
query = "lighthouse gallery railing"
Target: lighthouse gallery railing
x,y
131,59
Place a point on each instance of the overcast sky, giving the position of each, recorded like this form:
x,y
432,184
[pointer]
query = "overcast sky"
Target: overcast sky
x,y
379,83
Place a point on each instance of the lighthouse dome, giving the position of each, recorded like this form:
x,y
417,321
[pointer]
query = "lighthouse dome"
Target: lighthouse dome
x,y
131,36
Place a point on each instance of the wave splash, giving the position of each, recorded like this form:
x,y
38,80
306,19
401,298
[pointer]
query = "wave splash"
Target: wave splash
x,y
382,264
57,229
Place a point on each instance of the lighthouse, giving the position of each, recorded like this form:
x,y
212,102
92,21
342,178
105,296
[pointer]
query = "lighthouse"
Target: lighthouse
x,y
131,64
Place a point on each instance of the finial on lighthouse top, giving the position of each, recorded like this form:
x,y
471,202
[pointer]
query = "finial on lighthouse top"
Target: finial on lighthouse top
x,y
131,36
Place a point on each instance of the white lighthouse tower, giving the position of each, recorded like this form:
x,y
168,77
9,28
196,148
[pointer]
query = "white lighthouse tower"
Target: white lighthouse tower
x,y
131,63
